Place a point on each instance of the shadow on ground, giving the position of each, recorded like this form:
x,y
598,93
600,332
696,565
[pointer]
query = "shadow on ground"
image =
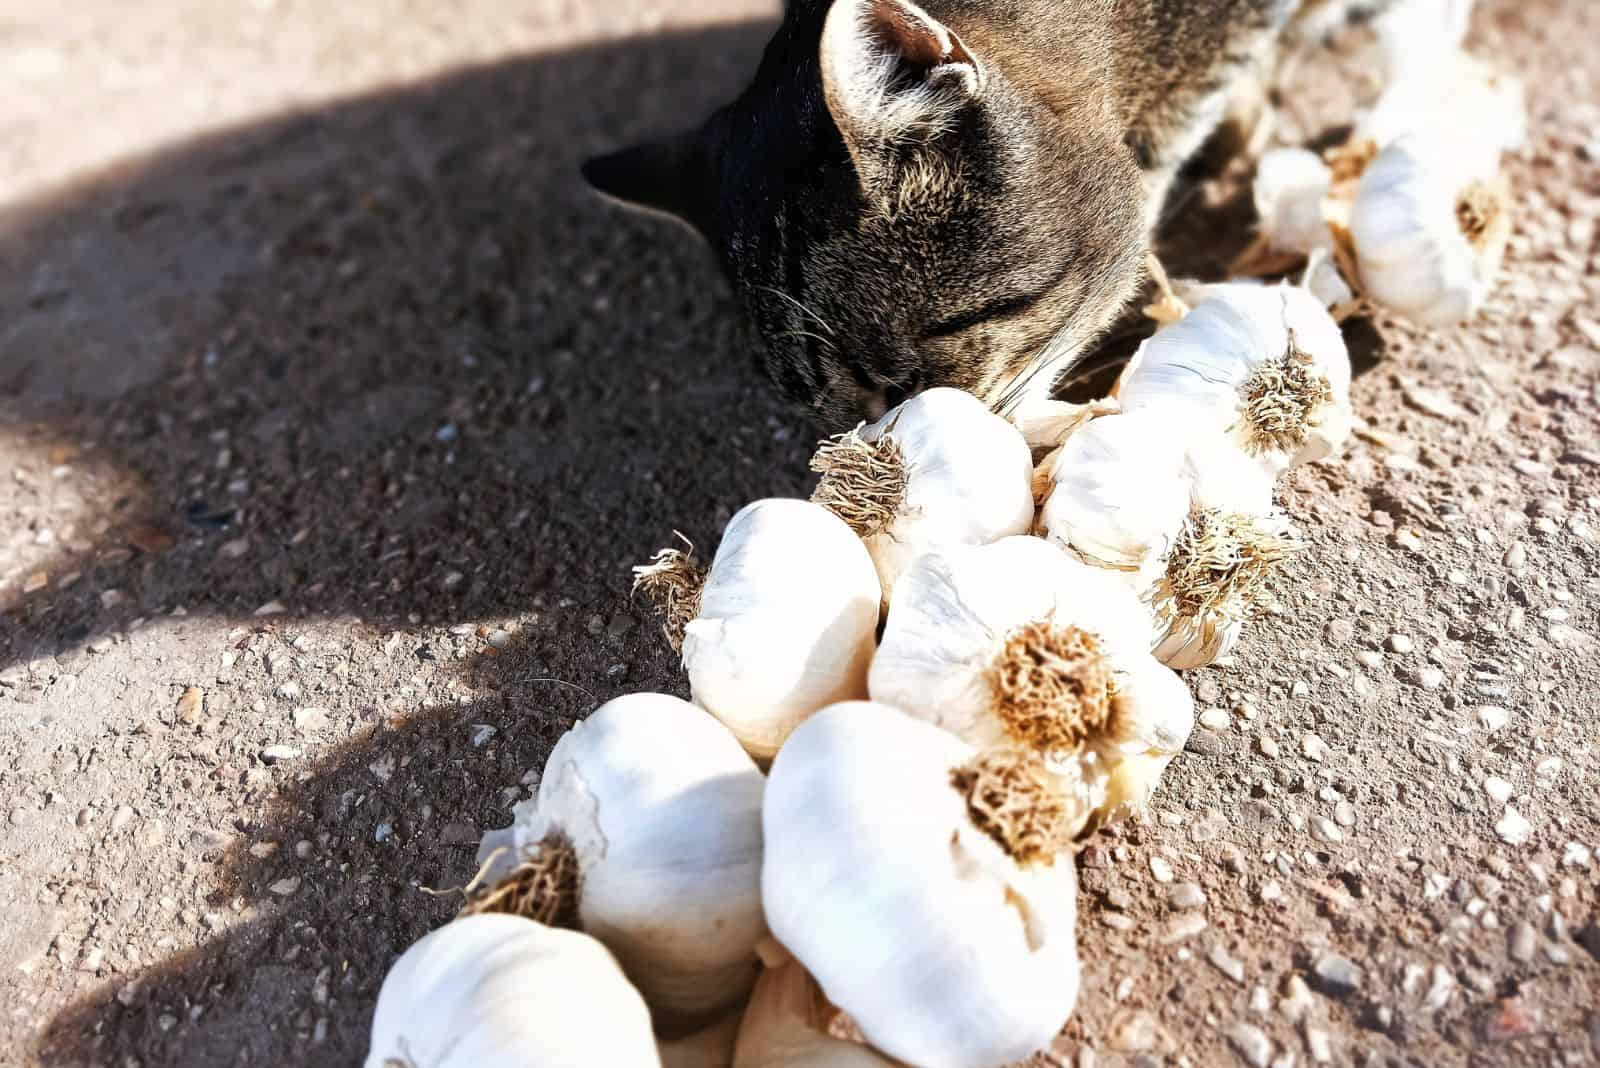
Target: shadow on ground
x,y
385,360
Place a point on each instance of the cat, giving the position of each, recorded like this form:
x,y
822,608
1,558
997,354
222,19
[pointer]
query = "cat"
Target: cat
x,y
956,194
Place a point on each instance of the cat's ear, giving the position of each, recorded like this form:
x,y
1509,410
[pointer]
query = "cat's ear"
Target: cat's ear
x,y
667,176
895,78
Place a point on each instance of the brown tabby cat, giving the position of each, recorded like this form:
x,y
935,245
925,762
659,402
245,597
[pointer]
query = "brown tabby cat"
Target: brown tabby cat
x,y
958,194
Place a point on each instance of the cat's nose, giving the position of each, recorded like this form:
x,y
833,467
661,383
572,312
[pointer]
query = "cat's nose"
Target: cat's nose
x,y
875,404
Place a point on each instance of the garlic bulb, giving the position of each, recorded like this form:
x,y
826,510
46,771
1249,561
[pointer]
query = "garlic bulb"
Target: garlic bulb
x,y
1265,365
940,469
781,625
786,1026
1430,224
922,885
1290,185
1015,645
1118,493
646,834
1452,96
505,992
1421,34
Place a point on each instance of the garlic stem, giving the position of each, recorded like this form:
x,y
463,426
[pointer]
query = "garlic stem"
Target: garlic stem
x,y
673,581
1013,798
544,888
863,482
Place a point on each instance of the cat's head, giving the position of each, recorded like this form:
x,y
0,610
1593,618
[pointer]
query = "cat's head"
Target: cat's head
x,y
902,208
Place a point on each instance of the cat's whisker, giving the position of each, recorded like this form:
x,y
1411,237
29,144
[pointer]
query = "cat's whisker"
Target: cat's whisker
x,y
806,333
799,305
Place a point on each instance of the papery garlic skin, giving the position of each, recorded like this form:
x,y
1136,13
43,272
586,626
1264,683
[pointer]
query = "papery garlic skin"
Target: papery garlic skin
x,y
1290,185
786,624
1421,35
968,479
1200,371
943,950
1118,493
1414,257
786,1027
1158,734
1452,96
505,992
662,808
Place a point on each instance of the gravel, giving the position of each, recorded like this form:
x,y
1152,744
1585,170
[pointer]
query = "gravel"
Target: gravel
x,y
1336,975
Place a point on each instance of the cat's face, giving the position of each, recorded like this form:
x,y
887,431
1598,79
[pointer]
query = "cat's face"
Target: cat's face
x,y
896,214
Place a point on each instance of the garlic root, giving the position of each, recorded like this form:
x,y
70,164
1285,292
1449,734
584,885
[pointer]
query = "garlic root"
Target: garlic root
x,y
673,581
1014,799
863,482
1215,581
544,888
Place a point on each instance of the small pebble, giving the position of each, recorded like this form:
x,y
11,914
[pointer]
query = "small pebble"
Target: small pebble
x,y
1430,678
1268,746
1184,925
1400,643
1521,942
285,887
1134,1032
1325,830
1498,789
1215,719
1318,1044
1186,896
1513,828
1160,869
1492,717
1296,1000
1227,964
1314,747
1251,1043
274,754
1344,814
1337,975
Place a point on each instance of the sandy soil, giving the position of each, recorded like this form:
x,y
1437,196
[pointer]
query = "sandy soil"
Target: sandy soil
x,y
333,412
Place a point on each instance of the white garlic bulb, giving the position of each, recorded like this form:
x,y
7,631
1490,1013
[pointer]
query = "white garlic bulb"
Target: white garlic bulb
x,y
940,469
1290,185
1421,34
1452,96
1016,645
786,1026
781,625
922,886
1430,224
1118,493
645,832
1265,365
505,992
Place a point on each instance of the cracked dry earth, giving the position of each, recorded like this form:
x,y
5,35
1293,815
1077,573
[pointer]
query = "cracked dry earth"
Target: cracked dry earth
x,y
333,412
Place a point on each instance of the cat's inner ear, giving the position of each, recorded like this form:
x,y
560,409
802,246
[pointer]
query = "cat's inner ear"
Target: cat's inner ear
x,y
667,176
893,75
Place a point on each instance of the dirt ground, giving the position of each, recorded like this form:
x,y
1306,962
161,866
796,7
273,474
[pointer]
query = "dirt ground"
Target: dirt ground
x,y
333,412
